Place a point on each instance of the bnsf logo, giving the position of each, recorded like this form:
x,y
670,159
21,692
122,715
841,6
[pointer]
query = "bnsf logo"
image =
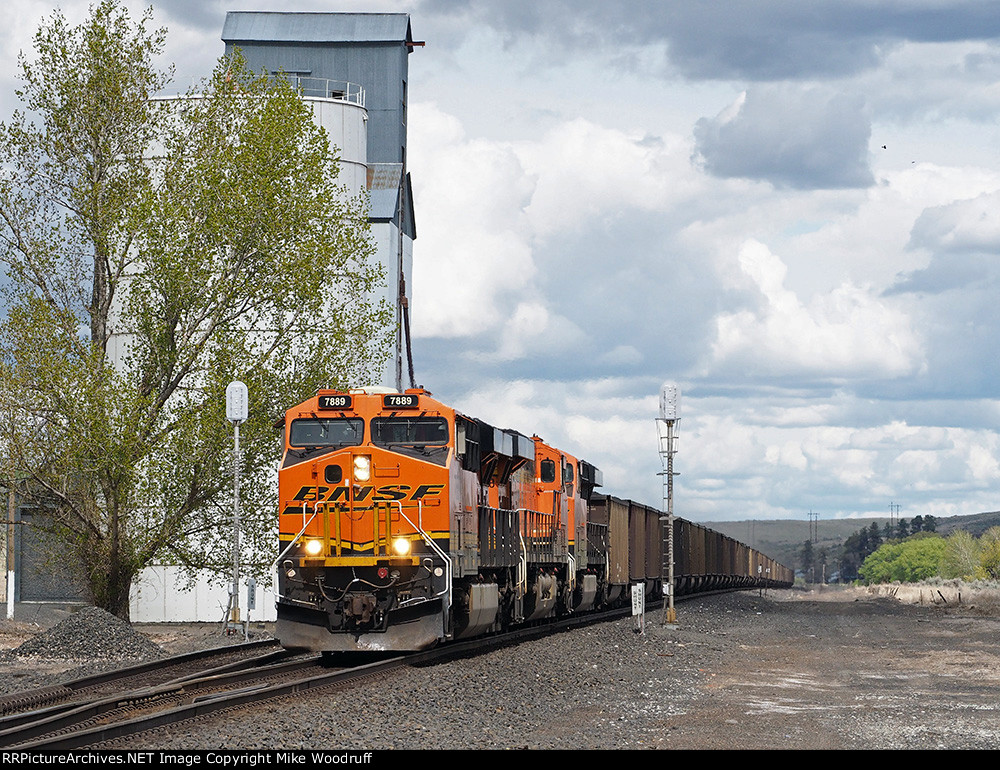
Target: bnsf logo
x,y
387,492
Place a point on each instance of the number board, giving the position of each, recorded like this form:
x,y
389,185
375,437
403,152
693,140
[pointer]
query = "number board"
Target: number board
x,y
401,401
334,402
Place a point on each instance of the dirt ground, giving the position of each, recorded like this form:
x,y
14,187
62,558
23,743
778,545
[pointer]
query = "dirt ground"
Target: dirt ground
x,y
879,668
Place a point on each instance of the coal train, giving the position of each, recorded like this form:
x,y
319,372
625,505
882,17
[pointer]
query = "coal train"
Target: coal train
x,y
404,523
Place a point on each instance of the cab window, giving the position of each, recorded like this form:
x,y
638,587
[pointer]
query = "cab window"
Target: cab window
x,y
425,438
327,432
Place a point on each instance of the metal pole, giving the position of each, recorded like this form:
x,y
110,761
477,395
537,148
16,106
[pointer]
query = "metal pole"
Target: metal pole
x,y
665,426
236,412
11,512
235,616
668,481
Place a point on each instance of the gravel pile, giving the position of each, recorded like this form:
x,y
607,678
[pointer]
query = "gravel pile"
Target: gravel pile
x,y
90,633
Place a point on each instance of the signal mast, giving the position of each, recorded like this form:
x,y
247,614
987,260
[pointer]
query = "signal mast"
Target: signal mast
x,y
666,428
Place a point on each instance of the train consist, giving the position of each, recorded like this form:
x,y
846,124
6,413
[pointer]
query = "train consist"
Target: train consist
x,y
404,523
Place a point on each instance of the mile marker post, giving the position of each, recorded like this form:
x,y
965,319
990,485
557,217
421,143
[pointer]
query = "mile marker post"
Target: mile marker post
x,y
236,412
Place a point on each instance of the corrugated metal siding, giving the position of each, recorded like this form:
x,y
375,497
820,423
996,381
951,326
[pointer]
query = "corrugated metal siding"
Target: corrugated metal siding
x,y
43,573
243,26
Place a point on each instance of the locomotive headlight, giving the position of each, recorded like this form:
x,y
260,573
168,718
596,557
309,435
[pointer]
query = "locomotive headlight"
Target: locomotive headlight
x,y
401,546
362,467
313,547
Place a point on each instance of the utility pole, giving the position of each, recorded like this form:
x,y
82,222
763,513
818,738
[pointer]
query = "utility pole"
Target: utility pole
x,y
666,426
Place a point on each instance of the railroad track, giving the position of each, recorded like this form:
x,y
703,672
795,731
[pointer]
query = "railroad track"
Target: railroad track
x,y
101,720
177,667
60,706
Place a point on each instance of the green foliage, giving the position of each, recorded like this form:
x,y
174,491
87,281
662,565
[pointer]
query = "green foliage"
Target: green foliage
x,y
989,553
806,557
906,562
157,250
961,557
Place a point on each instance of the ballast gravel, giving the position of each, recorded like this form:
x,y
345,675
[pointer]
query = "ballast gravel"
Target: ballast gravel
x,y
790,670
90,633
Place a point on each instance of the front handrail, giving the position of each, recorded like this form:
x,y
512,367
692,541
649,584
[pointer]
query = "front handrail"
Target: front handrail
x,y
295,539
434,547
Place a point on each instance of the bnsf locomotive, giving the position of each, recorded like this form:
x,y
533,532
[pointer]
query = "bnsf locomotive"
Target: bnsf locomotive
x,y
404,523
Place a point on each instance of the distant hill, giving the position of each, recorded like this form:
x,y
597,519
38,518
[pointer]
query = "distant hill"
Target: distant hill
x,y
782,539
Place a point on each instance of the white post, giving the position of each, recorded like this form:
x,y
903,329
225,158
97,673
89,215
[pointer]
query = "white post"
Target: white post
x,y
11,512
236,412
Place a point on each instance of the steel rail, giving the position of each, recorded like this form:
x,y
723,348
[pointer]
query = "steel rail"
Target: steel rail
x,y
13,705
46,726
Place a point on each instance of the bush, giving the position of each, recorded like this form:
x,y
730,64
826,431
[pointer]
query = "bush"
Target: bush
x,y
905,562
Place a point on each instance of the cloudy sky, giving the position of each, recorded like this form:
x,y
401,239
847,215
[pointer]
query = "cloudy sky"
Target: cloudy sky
x,y
791,209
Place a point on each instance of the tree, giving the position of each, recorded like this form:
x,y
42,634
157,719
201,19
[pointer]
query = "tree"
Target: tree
x,y
157,250
961,557
822,562
905,562
874,536
989,552
806,556
853,554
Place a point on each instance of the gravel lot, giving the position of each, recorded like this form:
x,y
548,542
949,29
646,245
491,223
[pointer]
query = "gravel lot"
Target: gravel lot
x,y
789,670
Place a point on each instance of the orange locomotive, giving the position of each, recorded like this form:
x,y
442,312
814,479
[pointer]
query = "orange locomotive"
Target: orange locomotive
x,y
404,523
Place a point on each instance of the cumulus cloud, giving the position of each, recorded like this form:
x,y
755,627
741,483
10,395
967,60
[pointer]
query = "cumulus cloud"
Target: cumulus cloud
x,y
509,229
805,138
963,241
532,328
475,232
826,465
846,333
586,170
965,226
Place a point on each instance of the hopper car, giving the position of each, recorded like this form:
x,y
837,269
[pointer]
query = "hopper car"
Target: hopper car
x,y
404,523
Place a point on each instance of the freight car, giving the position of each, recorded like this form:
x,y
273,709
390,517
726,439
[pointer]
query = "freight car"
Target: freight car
x,y
404,523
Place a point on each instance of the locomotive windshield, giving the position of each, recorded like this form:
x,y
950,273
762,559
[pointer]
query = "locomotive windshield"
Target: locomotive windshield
x,y
327,432
423,437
